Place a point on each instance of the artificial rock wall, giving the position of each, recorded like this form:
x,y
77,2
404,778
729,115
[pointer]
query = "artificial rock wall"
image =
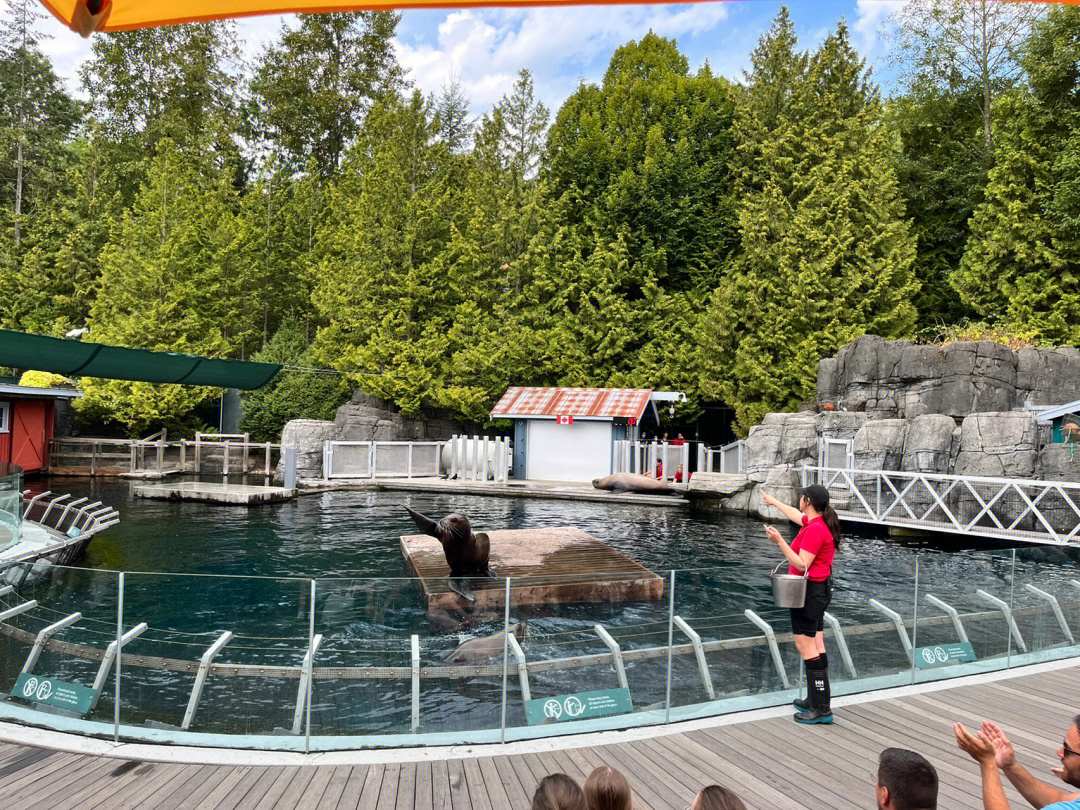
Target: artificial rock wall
x,y
956,409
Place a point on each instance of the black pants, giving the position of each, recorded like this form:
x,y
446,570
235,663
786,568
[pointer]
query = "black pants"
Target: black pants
x,y
809,620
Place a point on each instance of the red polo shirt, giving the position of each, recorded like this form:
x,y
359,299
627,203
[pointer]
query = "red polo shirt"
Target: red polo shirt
x,y
816,538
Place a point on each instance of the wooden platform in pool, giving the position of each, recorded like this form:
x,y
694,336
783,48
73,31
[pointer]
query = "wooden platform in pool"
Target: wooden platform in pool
x,y
239,494
546,566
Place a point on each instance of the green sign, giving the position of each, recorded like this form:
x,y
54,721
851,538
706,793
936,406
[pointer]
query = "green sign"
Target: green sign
x,y
52,692
942,654
582,706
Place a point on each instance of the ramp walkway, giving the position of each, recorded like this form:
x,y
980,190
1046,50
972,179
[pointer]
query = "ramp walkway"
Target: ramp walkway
x,y
756,754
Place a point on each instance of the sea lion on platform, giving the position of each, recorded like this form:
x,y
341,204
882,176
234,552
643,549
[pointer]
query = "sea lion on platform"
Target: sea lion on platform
x,y
629,482
466,551
478,650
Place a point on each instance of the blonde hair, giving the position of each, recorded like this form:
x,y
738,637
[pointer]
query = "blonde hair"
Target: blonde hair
x,y
607,789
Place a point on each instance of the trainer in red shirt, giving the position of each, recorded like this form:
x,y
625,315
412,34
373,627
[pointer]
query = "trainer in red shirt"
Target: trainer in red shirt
x,y
815,537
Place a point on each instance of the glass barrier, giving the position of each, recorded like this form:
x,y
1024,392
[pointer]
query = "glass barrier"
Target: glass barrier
x,y
55,634
10,504
964,600
304,664
254,633
1045,606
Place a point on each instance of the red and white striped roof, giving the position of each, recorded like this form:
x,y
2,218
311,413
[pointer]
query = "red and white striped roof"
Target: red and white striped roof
x,y
583,403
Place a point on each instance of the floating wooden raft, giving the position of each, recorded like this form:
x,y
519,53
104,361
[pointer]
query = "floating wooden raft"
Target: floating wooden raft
x,y
546,566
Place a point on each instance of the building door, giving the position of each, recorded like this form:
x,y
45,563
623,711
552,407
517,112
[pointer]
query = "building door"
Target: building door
x,y
28,434
577,452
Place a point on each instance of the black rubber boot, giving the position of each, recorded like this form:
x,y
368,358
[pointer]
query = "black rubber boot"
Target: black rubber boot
x,y
802,705
799,703
817,683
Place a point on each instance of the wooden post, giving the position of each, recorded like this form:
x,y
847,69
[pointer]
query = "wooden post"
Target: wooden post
x,y
183,454
93,457
160,454
198,453
131,463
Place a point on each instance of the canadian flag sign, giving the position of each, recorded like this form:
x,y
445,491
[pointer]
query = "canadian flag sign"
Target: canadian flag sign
x,y
564,420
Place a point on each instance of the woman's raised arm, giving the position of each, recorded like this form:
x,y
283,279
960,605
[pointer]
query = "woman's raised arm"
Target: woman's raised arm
x,y
790,512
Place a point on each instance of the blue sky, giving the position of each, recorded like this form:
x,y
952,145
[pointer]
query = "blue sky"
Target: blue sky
x,y
484,48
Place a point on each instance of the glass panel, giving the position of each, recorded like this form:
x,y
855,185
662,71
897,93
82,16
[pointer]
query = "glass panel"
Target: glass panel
x,y
363,683
10,504
1043,572
567,654
954,580
252,687
72,653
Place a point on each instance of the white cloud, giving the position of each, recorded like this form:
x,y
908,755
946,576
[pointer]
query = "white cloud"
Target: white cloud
x,y
486,49
870,15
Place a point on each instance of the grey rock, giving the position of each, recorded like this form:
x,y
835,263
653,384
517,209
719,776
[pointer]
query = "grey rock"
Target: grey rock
x,y
827,380
839,424
879,444
997,445
367,418
307,436
782,482
740,501
1060,462
716,485
928,446
781,438
1048,376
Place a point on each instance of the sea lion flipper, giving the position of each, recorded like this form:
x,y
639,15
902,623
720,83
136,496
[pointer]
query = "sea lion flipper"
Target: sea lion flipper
x,y
423,522
459,587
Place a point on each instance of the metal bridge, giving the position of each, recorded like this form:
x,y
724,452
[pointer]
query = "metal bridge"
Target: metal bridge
x,y
1013,509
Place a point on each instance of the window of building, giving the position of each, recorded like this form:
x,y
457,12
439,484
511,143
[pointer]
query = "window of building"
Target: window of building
x,y
5,417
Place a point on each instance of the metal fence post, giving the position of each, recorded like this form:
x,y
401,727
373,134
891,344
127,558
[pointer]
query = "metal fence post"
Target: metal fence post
x,y
506,644
307,698
670,637
915,622
119,653
1012,590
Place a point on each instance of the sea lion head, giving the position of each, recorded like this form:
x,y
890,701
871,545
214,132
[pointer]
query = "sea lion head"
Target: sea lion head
x,y
454,528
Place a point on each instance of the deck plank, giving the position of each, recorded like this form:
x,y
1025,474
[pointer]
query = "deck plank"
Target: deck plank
x,y
754,758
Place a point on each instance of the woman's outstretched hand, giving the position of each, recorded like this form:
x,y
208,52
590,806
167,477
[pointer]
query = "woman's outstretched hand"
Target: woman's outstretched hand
x,y
773,534
768,499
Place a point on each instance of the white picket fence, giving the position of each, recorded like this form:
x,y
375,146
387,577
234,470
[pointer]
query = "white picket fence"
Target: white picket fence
x,y
641,458
473,458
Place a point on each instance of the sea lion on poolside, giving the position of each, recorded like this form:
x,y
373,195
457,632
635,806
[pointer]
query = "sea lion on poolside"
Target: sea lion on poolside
x,y
466,551
629,482
478,650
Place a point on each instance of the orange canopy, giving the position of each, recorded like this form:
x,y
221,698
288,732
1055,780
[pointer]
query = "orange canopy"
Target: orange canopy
x,y
87,16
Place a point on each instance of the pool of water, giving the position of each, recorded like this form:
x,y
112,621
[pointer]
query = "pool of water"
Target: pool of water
x,y
196,570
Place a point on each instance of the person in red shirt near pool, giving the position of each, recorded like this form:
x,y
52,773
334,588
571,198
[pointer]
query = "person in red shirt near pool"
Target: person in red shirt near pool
x,y
811,552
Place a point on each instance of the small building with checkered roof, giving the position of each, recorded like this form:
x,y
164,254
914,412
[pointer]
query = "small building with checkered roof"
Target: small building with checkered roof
x,y
569,434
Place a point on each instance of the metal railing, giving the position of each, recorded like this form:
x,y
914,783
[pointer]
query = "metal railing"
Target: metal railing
x,y
647,458
473,458
729,459
1001,508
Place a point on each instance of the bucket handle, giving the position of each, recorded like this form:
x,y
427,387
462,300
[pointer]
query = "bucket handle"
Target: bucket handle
x,y
805,574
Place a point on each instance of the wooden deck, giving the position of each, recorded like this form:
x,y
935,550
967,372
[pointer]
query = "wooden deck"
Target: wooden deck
x,y
546,566
758,759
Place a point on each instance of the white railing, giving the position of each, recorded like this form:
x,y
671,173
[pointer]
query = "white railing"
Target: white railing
x,y
1003,508
643,458
473,458
729,459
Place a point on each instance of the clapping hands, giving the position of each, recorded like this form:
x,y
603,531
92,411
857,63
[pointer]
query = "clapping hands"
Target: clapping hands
x,y
990,744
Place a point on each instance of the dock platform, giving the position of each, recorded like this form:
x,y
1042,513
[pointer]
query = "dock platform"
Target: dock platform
x,y
556,565
753,753
238,494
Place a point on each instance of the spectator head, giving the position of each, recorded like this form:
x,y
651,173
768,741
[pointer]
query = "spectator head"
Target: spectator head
x,y
607,789
905,781
715,797
1069,754
558,791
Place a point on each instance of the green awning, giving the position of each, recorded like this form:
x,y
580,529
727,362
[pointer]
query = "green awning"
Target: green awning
x,y
76,358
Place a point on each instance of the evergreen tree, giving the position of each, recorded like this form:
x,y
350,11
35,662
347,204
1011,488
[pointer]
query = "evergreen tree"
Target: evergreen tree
x,y
1021,268
313,88
826,253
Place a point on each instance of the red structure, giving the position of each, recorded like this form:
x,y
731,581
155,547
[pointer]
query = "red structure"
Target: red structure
x,y
27,418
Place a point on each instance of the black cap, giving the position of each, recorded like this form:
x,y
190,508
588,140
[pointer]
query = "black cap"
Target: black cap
x,y
817,495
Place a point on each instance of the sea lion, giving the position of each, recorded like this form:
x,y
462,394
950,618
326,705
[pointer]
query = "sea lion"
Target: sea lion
x,y
478,650
629,482
466,552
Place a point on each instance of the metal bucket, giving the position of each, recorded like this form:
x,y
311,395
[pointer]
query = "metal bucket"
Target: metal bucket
x,y
788,590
